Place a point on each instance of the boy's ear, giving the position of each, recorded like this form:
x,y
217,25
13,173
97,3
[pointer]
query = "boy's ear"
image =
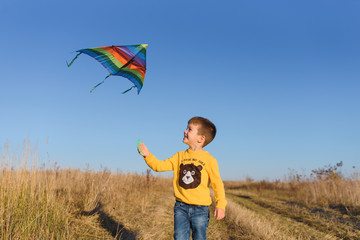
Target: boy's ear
x,y
201,139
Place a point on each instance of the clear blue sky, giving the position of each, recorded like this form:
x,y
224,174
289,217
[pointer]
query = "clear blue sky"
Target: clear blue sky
x,y
280,79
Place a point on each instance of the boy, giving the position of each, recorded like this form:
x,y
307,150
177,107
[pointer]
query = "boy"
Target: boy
x,y
193,170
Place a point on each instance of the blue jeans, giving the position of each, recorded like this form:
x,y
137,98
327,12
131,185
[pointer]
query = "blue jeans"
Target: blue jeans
x,y
189,218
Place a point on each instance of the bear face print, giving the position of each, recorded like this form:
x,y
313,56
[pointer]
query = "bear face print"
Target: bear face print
x,y
189,176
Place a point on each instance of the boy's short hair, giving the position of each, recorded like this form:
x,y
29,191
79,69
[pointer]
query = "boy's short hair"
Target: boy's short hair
x,y
206,128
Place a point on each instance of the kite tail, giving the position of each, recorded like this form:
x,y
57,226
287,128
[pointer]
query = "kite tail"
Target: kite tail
x,y
100,83
129,89
69,64
96,86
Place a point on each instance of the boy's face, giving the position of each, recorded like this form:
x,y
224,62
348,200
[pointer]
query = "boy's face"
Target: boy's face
x,y
191,135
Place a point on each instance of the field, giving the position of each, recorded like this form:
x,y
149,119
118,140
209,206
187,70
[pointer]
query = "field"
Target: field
x,y
43,201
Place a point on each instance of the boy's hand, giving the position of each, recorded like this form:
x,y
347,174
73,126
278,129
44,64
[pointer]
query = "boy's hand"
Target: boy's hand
x,y
219,214
143,150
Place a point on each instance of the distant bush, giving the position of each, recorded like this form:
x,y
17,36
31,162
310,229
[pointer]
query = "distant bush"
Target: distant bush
x,y
328,172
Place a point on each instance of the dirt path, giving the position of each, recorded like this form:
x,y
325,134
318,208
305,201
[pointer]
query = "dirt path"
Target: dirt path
x,y
309,222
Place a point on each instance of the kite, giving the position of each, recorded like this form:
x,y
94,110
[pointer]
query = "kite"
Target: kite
x,y
128,61
138,143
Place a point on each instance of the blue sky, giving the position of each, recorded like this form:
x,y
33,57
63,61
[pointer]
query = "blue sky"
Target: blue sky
x,y
280,79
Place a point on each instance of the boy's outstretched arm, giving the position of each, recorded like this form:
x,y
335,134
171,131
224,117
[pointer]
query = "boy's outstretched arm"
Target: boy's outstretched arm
x,y
154,163
219,214
143,150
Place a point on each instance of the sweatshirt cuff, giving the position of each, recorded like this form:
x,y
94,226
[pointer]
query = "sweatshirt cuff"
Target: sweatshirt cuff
x,y
221,204
147,157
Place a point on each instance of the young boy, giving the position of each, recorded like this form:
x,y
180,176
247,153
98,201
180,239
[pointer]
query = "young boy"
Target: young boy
x,y
194,169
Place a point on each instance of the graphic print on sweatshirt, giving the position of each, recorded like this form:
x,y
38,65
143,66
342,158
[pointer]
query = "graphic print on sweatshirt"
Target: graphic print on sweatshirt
x,y
189,176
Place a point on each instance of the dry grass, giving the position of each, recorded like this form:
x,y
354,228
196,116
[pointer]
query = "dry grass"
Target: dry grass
x,y
45,202
342,193
339,192
326,208
257,223
41,201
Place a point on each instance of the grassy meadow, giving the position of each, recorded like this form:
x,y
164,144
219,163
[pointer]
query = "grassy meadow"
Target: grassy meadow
x,y
43,201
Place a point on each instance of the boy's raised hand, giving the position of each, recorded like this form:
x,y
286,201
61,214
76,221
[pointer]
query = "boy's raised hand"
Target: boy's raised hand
x,y
219,214
143,150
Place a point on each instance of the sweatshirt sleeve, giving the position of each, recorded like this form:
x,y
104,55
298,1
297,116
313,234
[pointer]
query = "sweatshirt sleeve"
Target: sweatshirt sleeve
x,y
217,185
159,165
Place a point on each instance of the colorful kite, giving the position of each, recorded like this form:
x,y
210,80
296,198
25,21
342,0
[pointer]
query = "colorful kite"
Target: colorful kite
x,y
127,61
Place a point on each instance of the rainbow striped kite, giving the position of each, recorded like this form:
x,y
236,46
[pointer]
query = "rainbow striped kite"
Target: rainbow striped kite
x,y
127,61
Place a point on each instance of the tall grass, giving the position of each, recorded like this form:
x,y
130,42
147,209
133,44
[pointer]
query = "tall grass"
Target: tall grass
x,y
340,193
28,207
315,207
41,201
310,191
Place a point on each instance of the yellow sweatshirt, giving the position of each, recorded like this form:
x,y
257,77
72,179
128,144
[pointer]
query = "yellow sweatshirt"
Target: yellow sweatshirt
x,y
193,172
